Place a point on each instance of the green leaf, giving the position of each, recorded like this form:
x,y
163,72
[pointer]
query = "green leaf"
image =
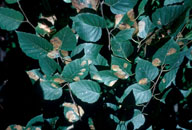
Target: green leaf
x,y
145,72
114,118
125,35
145,27
165,96
121,48
34,46
50,90
167,79
75,70
168,53
67,38
121,6
138,119
189,53
100,60
142,94
141,8
185,93
88,26
121,67
48,66
150,128
34,120
10,19
167,14
91,51
86,90
106,76
11,1
67,1
188,36
112,106
169,2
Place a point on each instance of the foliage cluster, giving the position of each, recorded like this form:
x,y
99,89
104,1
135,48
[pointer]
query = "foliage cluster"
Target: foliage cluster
x,y
119,56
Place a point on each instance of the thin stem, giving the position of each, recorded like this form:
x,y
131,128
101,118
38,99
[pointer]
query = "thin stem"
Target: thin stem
x,y
154,87
27,20
108,32
71,95
186,44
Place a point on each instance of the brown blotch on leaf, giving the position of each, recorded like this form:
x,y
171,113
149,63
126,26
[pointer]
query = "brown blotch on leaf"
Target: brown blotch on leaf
x,y
143,81
78,4
125,65
32,75
53,85
51,19
64,53
52,54
159,22
112,83
115,68
121,75
180,43
171,51
76,78
70,115
59,80
83,70
45,27
81,73
56,43
156,62
83,63
96,77
163,80
78,111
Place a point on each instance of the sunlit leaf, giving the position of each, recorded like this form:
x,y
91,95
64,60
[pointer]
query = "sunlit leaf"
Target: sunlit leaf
x,y
75,70
86,90
11,1
34,46
50,90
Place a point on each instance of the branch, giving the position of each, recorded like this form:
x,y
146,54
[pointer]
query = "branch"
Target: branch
x,y
108,32
27,20
71,95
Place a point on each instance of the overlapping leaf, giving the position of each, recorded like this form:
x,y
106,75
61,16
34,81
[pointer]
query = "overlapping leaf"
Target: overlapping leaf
x,y
142,94
121,6
10,19
75,70
145,27
167,14
106,76
167,54
34,46
121,67
120,44
48,66
50,90
67,38
168,78
169,2
86,90
88,26
145,72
